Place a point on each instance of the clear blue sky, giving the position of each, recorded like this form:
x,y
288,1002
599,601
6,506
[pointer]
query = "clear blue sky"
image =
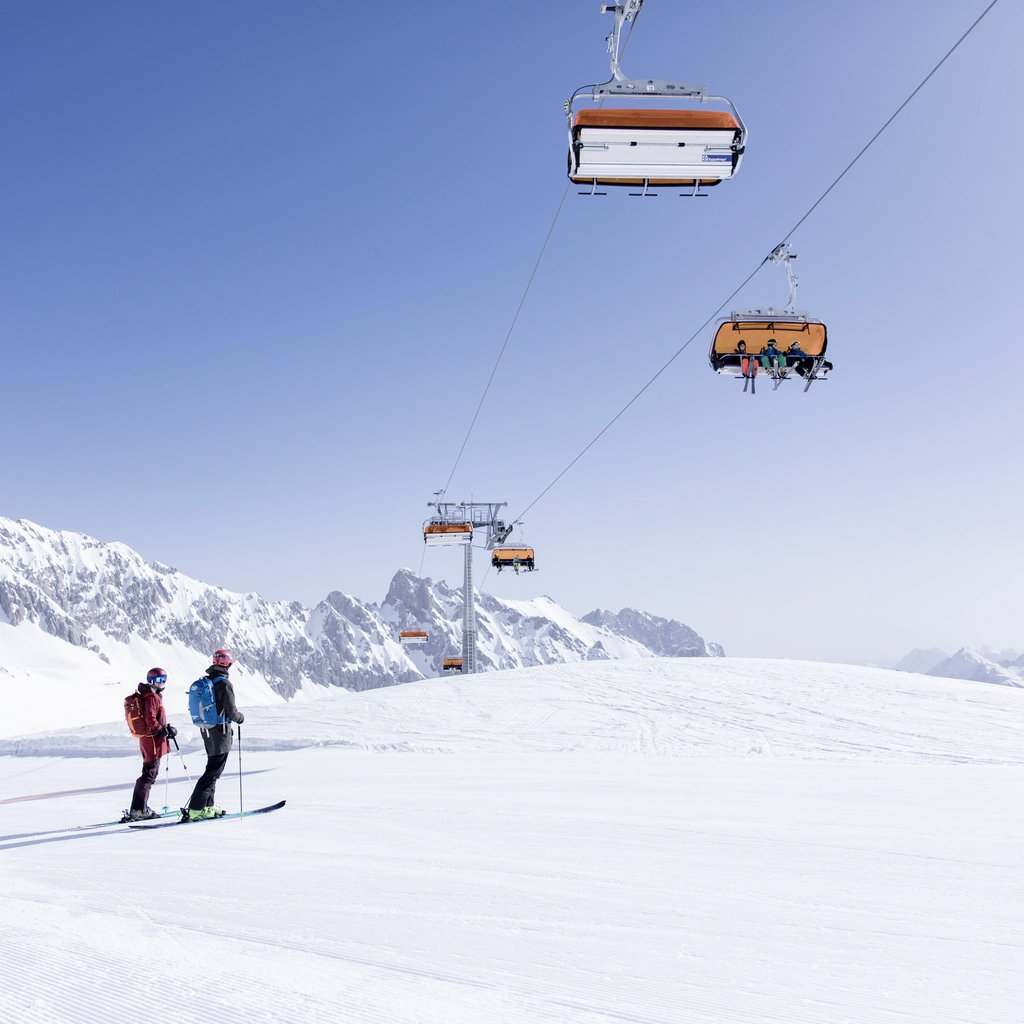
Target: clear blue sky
x,y
259,258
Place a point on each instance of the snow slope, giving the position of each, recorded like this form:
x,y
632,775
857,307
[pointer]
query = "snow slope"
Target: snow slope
x,y
655,707
837,844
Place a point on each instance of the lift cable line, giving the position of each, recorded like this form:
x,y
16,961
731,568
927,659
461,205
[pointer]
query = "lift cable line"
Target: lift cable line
x,y
786,237
501,353
893,116
597,437
616,50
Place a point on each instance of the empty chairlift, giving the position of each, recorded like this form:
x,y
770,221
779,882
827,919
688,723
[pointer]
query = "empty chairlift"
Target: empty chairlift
x,y
411,637
642,144
781,343
443,532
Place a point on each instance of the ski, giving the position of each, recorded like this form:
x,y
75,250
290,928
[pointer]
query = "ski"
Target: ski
x,y
224,817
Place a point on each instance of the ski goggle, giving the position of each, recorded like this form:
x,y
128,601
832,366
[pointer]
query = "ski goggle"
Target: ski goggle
x,y
157,680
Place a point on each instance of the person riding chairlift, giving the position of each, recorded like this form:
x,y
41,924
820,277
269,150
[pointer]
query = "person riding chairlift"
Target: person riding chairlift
x,y
748,364
772,359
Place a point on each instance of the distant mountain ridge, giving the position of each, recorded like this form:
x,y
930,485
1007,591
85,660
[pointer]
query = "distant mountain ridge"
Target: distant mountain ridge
x,y
921,660
972,665
106,600
1005,668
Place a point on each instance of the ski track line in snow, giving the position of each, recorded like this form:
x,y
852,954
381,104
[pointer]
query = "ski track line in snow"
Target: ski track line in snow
x,y
538,1006
24,958
715,1010
85,993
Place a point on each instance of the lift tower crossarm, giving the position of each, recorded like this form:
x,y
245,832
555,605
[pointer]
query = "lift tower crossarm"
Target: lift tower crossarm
x,y
481,515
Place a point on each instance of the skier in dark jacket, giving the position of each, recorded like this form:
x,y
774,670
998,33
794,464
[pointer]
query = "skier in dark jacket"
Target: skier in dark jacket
x,y
218,741
153,746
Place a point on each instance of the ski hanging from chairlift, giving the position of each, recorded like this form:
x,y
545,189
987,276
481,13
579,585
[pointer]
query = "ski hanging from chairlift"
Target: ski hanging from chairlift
x,y
781,342
642,145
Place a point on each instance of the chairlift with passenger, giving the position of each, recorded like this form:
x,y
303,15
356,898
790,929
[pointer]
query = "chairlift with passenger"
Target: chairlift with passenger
x,y
451,665
781,342
642,145
517,558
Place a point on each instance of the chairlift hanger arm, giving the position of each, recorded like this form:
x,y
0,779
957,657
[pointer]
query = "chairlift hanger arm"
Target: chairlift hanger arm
x,y
783,253
625,14
619,86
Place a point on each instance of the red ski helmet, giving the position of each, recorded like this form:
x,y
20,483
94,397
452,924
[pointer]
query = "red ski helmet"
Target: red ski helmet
x,y
157,677
223,657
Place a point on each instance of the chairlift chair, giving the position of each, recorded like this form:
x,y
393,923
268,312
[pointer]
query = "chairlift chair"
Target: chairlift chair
x,y
409,637
442,532
451,665
642,146
503,558
740,339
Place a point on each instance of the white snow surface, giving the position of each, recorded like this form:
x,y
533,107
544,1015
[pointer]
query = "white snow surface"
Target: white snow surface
x,y
656,841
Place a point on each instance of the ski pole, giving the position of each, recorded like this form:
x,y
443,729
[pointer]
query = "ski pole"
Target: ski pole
x,y
183,765
167,779
241,810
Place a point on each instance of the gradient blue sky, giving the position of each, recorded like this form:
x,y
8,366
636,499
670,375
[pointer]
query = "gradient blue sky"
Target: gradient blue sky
x,y
259,259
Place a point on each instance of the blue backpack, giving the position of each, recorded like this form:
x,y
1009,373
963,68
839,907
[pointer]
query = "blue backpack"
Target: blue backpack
x,y
202,705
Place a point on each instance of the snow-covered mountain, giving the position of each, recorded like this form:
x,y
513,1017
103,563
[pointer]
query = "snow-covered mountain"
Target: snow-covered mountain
x,y
97,614
665,637
921,660
970,664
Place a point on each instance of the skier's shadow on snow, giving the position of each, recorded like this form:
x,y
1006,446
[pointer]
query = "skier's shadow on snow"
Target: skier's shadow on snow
x,y
60,835
66,838
111,789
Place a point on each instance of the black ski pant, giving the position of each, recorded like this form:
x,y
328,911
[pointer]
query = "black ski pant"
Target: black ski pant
x,y
144,783
206,784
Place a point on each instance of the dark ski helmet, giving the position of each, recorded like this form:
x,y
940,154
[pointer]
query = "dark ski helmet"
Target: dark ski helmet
x,y
223,657
157,677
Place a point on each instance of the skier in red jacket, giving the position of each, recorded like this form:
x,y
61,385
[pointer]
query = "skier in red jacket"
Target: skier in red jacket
x,y
153,745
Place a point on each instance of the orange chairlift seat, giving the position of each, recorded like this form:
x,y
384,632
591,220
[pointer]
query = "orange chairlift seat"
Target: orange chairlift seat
x,y
412,636
437,533
779,342
503,558
451,665
642,145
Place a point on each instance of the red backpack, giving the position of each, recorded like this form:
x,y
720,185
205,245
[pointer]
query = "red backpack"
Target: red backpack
x,y
135,715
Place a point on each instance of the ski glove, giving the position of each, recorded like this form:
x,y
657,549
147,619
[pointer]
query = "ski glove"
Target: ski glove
x,y
170,732
239,718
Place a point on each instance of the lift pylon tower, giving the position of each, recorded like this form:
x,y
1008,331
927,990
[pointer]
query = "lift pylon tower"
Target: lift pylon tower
x,y
482,515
